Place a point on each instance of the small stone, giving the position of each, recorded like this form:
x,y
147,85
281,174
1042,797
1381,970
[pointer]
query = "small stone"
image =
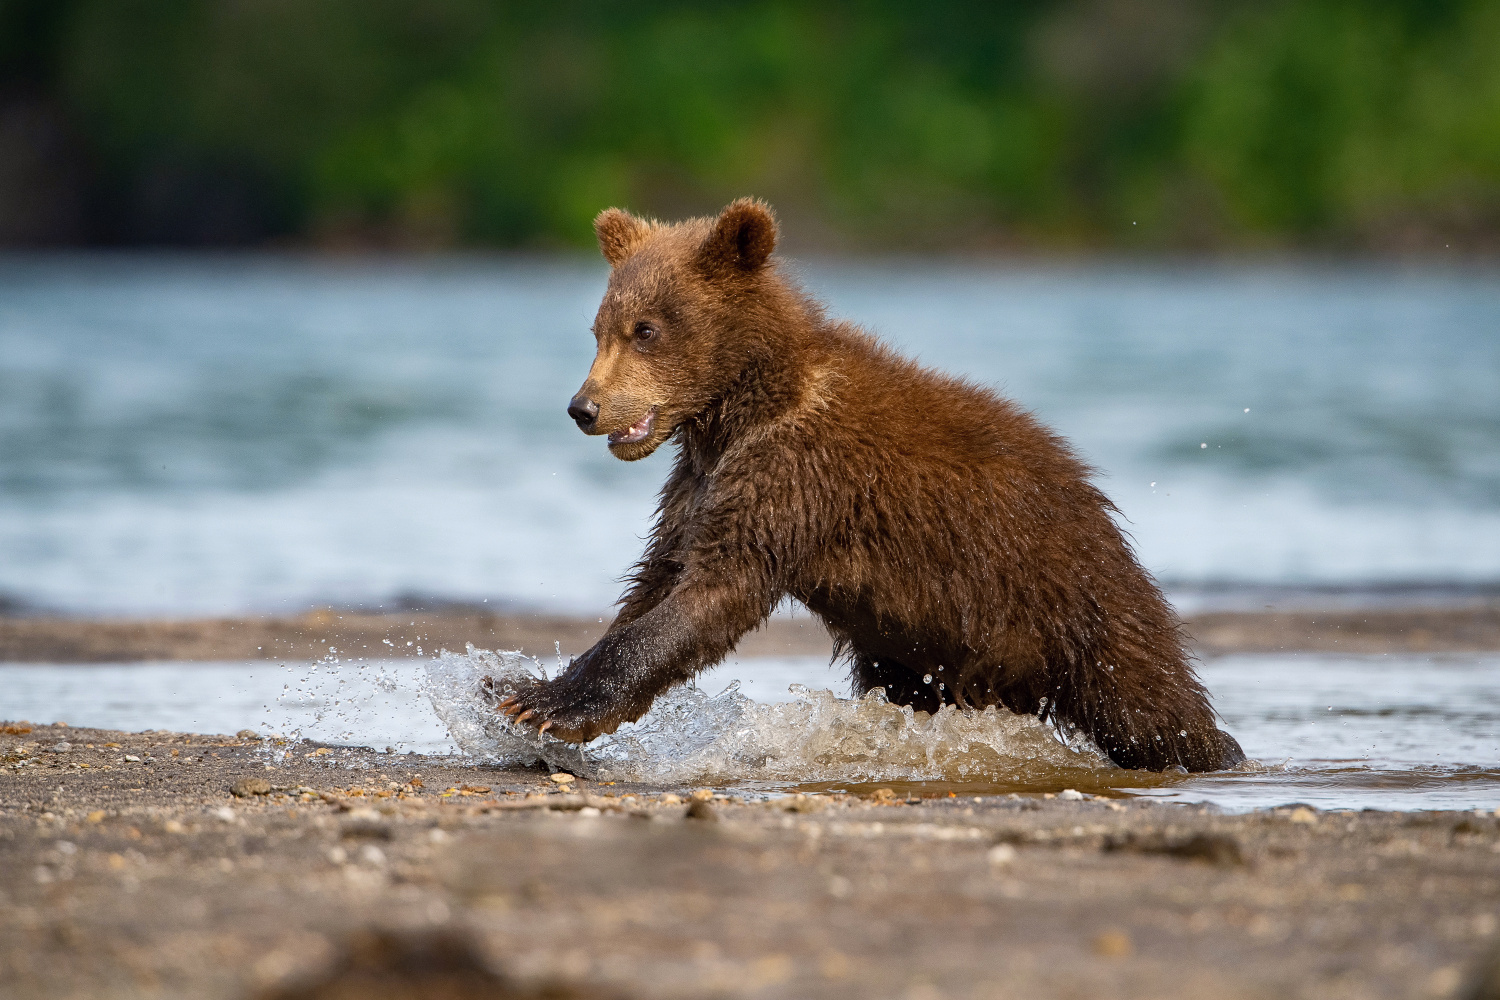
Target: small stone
x,y
700,809
562,778
702,795
371,855
1302,814
669,799
1071,795
172,826
1001,855
247,787
589,811
1214,848
804,804
225,814
883,795
132,758
1113,944
247,734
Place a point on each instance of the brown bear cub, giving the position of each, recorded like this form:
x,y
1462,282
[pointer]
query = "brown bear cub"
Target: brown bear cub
x,y
953,546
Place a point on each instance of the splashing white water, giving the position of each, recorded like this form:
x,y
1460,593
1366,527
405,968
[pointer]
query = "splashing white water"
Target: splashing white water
x,y
691,736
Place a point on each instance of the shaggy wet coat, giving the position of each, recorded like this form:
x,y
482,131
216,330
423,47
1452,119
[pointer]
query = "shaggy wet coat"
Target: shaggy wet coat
x,y
954,547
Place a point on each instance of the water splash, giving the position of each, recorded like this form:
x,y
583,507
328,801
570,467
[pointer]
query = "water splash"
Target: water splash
x,y
690,736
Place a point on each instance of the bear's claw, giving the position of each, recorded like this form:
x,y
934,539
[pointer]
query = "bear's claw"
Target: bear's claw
x,y
551,705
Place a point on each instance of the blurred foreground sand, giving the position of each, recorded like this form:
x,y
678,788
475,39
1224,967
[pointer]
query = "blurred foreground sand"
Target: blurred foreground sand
x,y
169,865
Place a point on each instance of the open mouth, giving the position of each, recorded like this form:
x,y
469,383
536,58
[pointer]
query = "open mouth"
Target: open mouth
x,y
636,431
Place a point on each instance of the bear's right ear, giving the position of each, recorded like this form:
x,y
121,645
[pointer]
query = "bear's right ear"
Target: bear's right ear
x,y
619,234
743,237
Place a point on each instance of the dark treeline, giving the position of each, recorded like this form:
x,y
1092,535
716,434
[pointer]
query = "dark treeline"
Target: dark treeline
x,y
1162,123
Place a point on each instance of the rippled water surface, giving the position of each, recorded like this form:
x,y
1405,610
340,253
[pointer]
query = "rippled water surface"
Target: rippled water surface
x,y
1396,732
182,435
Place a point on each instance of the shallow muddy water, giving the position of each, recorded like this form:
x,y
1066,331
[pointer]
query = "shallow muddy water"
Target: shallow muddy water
x,y
1393,732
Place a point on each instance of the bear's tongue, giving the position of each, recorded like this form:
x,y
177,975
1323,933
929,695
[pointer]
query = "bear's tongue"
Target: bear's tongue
x,y
636,431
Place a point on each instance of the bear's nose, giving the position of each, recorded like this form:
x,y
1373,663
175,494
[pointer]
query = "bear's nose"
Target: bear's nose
x,y
584,412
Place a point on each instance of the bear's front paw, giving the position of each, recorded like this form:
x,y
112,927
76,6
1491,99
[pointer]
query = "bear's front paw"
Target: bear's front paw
x,y
570,711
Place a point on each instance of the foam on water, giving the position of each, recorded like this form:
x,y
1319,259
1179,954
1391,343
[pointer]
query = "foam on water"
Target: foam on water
x,y
690,736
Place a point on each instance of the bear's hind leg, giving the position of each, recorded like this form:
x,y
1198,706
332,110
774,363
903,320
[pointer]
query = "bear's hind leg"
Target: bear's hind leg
x,y
1207,748
1148,716
903,686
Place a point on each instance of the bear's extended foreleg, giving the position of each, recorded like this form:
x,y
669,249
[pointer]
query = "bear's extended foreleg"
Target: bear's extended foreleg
x,y
617,680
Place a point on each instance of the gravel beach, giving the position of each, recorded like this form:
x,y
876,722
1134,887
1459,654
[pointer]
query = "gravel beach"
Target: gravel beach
x,y
1470,627
173,865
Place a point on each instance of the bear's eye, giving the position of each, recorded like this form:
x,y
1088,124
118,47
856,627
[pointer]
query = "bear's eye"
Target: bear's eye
x,y
645,333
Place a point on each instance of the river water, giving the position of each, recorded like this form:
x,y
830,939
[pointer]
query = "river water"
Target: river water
x,y
1391,732
188,435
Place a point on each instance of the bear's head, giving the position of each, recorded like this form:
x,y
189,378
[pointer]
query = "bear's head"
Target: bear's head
x,y
668,330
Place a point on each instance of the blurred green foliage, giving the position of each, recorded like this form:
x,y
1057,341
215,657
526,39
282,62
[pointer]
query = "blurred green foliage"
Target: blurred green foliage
x,y
1168,123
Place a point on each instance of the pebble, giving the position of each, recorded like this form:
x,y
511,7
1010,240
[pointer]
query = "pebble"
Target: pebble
x,y
133,758
1302,814
1113,944
224,813
803,804
247,734
247,787
671,800
1071,795
563,778
700,809
1001,855
702,795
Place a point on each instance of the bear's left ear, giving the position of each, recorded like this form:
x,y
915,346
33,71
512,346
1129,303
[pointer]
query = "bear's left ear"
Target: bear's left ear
x,y
619,234
743,237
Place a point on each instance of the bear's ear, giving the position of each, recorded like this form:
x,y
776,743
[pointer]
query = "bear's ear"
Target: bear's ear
x,y
743,237
619,234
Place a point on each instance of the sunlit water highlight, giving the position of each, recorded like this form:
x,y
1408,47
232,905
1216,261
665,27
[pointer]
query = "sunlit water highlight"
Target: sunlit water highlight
x,y
1395,732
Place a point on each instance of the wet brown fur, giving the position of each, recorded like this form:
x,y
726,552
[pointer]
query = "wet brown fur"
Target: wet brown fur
x,y
936,528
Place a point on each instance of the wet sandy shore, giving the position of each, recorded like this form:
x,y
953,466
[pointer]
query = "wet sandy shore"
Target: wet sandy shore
x,y
130,867
1471,628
